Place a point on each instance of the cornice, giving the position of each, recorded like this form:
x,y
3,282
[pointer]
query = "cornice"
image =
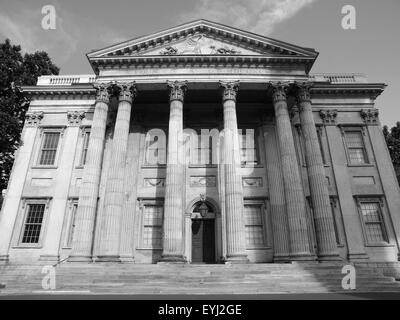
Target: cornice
x,y
168,61
58,91
373,90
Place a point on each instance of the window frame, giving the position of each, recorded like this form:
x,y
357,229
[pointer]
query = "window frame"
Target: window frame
x,y
384,228
42,131
258,203
24,210
144,144
257,146
72,208
84,132
361,131
142,207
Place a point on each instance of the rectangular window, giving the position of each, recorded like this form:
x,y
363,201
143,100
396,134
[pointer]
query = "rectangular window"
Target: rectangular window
x,y
373,222
156,152
254,226
201,151
321,145
71,227
335,225
355,147
48,149
248,146
33,223
152,226
85,146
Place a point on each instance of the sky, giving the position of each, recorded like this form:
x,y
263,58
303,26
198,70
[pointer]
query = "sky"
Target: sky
x,y
84,25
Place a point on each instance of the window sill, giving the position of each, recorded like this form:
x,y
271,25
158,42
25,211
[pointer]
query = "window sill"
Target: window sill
x,y
202,166
383,244
252,166
24,246
148,166
259,248
79,167
361,165
143,248
44,167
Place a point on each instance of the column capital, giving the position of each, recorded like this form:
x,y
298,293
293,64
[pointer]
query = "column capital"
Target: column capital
x,y
33,119
75,117
126,90
103,92
303,93
230,89
177,90
279,90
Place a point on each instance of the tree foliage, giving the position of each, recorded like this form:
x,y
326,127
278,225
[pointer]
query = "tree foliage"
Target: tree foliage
x,y
392,138
16,69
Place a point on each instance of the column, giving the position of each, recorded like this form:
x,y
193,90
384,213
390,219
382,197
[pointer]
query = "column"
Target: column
x,y
325,232
173,243
295,200
89,190
235,232
128,231
12,200
114,196
276,195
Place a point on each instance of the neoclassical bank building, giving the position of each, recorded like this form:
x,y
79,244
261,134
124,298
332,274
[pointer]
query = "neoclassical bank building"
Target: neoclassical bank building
x,y
202,144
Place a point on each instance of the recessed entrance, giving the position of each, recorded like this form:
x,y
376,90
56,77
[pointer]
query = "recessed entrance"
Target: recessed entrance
x,y
203,241
203,233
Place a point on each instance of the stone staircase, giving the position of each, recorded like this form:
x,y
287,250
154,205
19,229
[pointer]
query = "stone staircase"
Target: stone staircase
x,y
132,279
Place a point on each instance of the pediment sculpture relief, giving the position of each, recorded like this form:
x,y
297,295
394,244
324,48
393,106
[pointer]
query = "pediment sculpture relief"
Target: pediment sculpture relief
x,y
199,44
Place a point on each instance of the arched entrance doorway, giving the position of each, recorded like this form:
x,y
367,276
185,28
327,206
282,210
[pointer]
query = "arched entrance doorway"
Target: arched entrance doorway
x,y
203,233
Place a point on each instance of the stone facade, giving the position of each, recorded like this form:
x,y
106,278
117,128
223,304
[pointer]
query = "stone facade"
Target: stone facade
x,y
202,143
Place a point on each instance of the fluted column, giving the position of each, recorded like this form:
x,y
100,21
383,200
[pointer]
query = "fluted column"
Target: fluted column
x,y
295,200
276,195
89,189
173,207
235,232
325,232
114,195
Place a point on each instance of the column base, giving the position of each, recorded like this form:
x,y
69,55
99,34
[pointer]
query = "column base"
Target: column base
x,y
362,256
282,259
114,259
127,259
236,259
172,259
87,259
329,257
303,257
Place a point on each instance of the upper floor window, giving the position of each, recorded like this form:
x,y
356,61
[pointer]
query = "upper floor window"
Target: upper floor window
x,y
355,147
321,144
85,145
155,147
201,145
49,147
33,223
249,146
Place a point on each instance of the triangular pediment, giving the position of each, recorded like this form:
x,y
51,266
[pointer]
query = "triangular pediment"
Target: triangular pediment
x,y
203,37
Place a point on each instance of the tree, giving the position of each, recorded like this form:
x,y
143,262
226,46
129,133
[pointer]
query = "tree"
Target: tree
x,y
392,138
15,70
